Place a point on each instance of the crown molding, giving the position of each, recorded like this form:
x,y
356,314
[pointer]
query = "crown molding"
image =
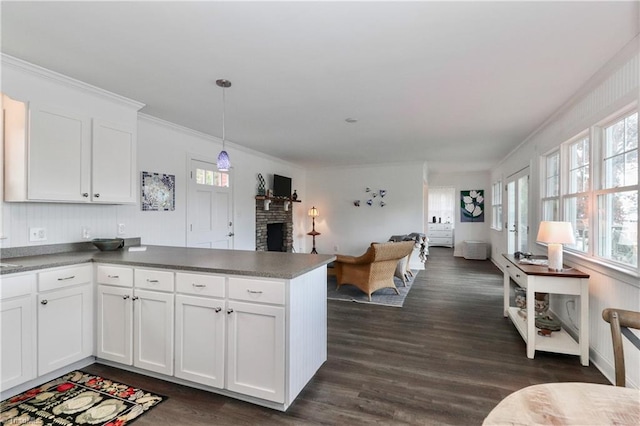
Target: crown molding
x,y
205,136
21,65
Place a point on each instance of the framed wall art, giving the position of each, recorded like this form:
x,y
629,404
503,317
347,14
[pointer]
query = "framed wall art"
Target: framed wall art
x,y
158,192
472,205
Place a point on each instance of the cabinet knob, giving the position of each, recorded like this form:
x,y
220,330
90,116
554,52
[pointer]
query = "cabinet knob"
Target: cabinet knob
x,y
96,195
125,297
229,311
44,302
517,275
134,298
230,234
218,309
85,194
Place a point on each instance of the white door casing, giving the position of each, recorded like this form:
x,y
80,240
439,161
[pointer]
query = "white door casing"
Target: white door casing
x,y
209,206
518,211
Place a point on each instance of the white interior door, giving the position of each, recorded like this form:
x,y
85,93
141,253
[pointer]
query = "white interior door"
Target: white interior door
x,y
518,211
209,207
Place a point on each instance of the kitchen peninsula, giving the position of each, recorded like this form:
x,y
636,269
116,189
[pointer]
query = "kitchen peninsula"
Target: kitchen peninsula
x,y
249,325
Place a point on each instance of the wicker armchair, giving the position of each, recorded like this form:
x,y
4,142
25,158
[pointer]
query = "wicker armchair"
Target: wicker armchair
x,y
374,269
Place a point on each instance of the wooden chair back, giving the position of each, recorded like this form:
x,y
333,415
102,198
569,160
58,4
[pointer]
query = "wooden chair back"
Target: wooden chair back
x,y
621,321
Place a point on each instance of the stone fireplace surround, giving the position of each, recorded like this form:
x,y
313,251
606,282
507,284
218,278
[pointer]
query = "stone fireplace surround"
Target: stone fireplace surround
x,y
275,214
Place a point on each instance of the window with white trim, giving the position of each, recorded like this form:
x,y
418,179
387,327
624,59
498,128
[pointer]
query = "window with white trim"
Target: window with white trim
x,y
592,182
496,206
551,199
617,206
576,197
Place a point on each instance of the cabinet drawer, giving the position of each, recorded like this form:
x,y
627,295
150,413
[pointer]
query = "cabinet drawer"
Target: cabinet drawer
x,y
517,275
17,286
64,277
154,280
115,275
256,290
200,284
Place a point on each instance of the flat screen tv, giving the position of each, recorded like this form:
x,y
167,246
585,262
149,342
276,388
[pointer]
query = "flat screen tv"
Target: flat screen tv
x,y
281,186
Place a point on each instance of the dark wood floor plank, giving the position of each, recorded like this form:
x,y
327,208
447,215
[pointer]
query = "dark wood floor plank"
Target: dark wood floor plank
x,y
446,358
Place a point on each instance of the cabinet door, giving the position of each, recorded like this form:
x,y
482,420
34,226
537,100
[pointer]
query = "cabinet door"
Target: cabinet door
x,y
256,350
17,334
58,156
115,324
200,336
114,164
153,331
65,327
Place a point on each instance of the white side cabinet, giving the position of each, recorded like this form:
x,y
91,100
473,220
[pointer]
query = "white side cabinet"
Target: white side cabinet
x,y
65,317
54,155
17,330
200,350
440,234
135,317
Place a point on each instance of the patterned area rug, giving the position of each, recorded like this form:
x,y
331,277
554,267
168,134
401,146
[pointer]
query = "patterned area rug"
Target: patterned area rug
x,y
78,398
384,296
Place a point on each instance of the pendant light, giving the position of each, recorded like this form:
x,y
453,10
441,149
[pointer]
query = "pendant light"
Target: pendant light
x,y
223,158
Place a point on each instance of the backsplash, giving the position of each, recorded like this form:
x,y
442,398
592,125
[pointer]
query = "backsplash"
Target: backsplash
x,y
7,253
63,223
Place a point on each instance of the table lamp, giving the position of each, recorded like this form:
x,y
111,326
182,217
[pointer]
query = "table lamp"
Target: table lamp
x,y
313,212
555,234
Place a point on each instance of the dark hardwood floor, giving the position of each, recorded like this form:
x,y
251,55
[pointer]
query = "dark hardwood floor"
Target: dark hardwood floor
x,y
447,357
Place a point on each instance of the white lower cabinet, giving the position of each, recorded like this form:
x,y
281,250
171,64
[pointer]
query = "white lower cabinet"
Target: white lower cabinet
x,y
17,330
231,332
200,339
115,324
135,326
65,317
256,352
153,331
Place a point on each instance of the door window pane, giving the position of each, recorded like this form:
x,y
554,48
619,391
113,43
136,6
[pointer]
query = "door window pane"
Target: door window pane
x,y
212,178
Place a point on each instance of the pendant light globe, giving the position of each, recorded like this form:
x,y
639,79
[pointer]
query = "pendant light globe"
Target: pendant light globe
x,y
223,163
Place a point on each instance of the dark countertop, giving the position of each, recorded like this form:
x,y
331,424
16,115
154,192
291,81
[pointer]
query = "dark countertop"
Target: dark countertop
x,y
231,262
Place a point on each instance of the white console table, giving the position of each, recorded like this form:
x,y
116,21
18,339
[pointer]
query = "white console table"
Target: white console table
x,y
539,279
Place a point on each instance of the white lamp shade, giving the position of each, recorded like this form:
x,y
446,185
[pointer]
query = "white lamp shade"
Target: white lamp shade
x,y
556,232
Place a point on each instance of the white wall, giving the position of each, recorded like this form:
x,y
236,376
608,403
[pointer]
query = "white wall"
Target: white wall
x,y
613,87
347,229
474,231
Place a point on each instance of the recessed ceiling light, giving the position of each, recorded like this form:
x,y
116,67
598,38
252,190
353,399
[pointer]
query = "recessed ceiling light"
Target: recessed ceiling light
x,y
351,120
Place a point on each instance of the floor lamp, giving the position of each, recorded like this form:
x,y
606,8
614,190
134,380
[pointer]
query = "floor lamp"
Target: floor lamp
x,y
313,212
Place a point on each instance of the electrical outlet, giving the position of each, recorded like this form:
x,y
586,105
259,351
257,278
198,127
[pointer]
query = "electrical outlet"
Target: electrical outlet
x,y
37,234
336,248
121,229
86,233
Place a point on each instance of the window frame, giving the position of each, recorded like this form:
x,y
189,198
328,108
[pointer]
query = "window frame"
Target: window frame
x,y
496,205
594,191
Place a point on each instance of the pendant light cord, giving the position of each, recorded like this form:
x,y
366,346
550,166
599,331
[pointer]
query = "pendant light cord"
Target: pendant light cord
x,y
224,107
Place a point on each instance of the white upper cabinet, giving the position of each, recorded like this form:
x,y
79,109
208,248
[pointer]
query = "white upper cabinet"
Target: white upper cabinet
x,y
65,140
113,163
62,156
58,155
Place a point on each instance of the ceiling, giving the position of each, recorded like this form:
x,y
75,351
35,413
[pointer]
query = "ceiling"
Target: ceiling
x,y
456,84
